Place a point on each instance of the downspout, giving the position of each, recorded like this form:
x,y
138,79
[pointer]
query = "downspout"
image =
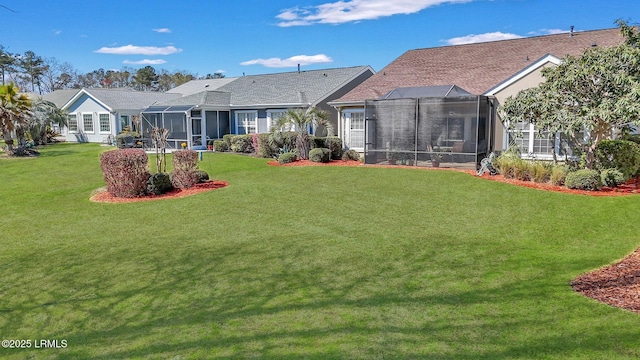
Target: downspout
x,y
415,140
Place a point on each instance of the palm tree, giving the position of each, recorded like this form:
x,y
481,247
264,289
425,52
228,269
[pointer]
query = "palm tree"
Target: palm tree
x,y
15,110
44,115
300,121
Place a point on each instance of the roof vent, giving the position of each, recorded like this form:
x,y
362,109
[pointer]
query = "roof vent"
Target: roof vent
x,y
571,32
206,85
593,44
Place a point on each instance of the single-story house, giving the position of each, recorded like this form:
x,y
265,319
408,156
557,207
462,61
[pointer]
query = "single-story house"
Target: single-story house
x,y
98,115
248,104
489,72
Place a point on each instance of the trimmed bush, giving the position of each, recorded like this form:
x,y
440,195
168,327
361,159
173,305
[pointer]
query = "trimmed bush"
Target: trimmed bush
x,y
125,171
584,179
185,169
320,155
612,177
220,146
623,155
227,140
287,157
558,174
351,155
265,148
242,144
332,143
159,183
203,176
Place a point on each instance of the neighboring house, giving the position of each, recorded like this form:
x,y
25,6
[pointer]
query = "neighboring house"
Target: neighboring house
x,y
495,70
98,115
249,104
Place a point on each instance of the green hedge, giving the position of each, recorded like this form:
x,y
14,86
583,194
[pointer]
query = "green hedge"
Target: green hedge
x,y
584,179
623,155
242,144
320,155
220,146
333,143
287,157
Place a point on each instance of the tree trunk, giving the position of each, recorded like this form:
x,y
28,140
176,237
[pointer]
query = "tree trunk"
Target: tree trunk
x,y
302,143
8,141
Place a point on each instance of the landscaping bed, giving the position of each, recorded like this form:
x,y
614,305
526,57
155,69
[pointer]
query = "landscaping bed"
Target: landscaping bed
x,y
103,195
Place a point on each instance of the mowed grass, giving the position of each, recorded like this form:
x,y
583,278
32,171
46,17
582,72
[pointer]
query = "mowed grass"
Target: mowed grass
x,y
306,263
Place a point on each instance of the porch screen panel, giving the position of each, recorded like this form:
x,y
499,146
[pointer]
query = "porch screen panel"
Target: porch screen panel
x,y
211,125
395,124
223,123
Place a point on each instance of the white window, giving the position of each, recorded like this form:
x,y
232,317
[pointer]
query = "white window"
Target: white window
x,y
246,122
105,123
87,122
540,145
353,136
273,116
73,123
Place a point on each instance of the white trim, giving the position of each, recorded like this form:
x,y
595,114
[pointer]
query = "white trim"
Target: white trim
x,y
254,112
270,117
346,128
93,123
85,92
77,130
523,73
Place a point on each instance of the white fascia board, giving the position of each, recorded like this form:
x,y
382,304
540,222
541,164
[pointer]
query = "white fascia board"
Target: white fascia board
x,y
79,94
523,73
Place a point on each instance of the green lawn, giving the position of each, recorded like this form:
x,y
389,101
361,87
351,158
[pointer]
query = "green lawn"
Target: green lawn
x,y
306,263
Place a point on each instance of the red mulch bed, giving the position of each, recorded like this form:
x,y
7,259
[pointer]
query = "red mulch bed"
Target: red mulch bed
x,y
617,285
104,196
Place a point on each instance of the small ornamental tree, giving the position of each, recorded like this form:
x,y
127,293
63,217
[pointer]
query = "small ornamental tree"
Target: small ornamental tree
x,y
598,92
185,169
301,120
125,172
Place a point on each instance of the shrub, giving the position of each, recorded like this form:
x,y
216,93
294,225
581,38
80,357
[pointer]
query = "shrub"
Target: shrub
x,y
125,171
159,183
521,170
185,169
332,143
227,139
320,155
265,147
584,179
121,138
287,157
203,176
284,140
540,171
623,155
558,174
242,144
351,155
612,177
505,164
220,146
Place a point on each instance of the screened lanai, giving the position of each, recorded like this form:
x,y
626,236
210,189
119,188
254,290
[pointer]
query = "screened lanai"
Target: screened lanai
x,y
186,124
454,130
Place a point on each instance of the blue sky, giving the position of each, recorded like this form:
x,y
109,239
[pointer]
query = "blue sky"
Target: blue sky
x,y
261,36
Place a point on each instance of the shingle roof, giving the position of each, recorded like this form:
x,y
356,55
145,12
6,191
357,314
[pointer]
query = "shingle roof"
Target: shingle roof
x,y
118,99
60,97
475,67
212,98
305,87
196,86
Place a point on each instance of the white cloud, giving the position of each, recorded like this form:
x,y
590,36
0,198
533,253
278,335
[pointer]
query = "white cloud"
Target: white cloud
x,y
290,62
139,50
57,32
478,38
162,30
344,11
145,62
